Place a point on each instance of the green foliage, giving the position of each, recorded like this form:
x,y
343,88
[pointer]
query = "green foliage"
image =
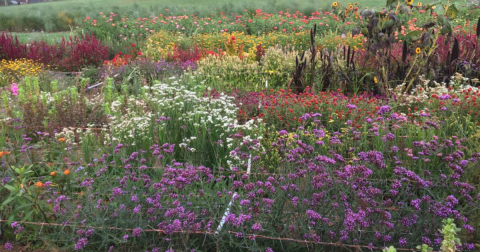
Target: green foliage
x,y
389,249
424,248
450,239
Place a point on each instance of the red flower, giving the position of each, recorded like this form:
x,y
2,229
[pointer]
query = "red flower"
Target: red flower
x,y
133,44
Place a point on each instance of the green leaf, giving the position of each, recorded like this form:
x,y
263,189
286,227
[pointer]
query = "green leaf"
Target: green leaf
x,y
414,35
27,216
452,11
441,20
7,201
390,2
446,29
388,24
10,188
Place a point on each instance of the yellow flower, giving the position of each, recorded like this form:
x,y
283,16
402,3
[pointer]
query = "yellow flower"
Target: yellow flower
x,y
409,2
419,4
418,50
335,4
375,79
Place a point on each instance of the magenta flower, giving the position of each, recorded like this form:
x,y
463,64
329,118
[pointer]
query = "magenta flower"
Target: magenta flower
x,y
14,89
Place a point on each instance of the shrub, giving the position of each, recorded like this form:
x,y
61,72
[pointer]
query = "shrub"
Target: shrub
x,y
10,48
71,54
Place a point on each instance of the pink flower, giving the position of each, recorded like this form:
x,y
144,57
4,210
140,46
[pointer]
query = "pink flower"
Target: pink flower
x,y
14,89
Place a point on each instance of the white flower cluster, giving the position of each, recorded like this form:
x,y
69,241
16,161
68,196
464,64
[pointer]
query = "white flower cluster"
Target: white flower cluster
x,y
130,124
421,93
198,118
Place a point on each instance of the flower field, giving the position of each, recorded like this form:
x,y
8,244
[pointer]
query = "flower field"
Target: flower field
x,y
344,129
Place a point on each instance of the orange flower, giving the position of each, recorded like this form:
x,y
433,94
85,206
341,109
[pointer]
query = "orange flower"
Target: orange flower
x,y
66,172
53,173
418,50
39,184
62,139
4,153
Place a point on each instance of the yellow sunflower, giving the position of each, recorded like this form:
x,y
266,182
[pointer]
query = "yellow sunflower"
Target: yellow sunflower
x,y
419,5
409,2
335,4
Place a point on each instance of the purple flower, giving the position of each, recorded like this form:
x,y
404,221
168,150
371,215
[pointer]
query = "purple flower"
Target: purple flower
x,y
257,227
8,246
351,106
116,191
387,238
137,232
81,244
89,232
5,180
468,228
469,246
269,250
402,242
125,237
137,209
370,246
134,198
444,97
313,215
384,109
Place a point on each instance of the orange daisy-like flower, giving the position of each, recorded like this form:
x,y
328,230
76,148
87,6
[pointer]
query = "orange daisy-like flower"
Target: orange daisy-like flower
x,y
4,153
53,173
62,139
66,172
418,50
39,184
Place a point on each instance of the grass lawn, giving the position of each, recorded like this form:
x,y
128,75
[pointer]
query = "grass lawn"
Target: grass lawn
x,y
25,37
203,6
